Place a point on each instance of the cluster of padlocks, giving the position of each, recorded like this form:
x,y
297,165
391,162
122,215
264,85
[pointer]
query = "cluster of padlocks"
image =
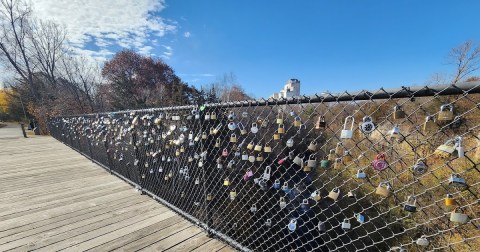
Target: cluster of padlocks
x,y
199,145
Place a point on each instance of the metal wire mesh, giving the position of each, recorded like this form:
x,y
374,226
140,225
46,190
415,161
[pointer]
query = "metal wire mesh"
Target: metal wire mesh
x,y
371,171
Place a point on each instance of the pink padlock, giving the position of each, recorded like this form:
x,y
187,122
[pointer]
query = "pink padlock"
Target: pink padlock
x,y
380,164
281,161
225,153
248,175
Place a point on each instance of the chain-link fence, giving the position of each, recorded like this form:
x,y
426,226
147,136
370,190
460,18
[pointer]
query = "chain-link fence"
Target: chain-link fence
x,y
374,171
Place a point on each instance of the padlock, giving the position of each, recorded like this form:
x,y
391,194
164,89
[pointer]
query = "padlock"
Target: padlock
x,y
297,122
250,146
212,131
290,142
380,164
456,181
285,187
450,200
334,193
458,215
226,182
383,189
315,195
219,164
282,203
281,129
242,129
320,124
204,135
233,195
225,152
217,143
259,157
254,128
347,157
280,118
190,135
264,123
321,226
276,136
197,181
312,161
207,116
267,149
312,146
338,163
398,113
177,152
367,126
230,164
429,125
233,138
244,156
339,150
232,125
298,160
200,163
360,217
332,156
446,149
420,167
276,184
411,204
351,195
258,147
347,133
325,163
209,197
253,208
305,206
248,174
446,113
251,158
459,146
292,225
361,174
217,129
422,241
231,116
346,224
213,116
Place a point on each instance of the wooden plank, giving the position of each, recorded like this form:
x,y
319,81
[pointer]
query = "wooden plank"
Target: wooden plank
x,y
227,249
212,245
192,243
134,236
148,240
173,240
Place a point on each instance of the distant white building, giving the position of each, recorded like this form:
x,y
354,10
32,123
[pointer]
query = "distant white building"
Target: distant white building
x,y
292,88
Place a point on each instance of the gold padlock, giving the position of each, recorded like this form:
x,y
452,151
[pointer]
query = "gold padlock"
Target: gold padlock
x,y
226,182
430,125
233,138
204,135
334,193
347,157
276,136
331,156
267,149
280,118
182,149
177,152
316,195
259,157
446,149
213,116
250,146
449,200
209,197
398,113
383,189
281,129
297,122
312,146
212,131
217,143
338,163
339,150
446,112
258,147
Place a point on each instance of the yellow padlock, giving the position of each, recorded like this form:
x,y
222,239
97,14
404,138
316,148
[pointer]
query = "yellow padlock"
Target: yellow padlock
x,y
258,147
259,157
297,122
280,118
338,163
449,200
233,138
182,149
213,116
267,149
226,182
331,156
347,157
383,189
177,152
276,136
250,146
204,135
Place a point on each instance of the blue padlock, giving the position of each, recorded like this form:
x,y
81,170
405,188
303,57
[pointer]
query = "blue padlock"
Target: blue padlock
x,y
292,226
276,184
360,218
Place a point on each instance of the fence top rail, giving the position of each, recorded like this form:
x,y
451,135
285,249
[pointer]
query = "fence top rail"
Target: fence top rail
x,y
382,93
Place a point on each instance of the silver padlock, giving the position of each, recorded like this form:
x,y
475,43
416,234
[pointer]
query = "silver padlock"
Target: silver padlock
x,y
420,167
347,133
346,224
367,125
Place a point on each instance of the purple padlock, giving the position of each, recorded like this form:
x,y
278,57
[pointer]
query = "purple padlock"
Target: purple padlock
x,y
248,175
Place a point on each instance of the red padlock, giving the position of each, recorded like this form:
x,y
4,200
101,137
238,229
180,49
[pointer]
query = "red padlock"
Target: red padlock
x,y
380,164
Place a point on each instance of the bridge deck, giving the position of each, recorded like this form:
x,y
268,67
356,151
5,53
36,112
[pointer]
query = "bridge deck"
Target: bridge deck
x,y
52,198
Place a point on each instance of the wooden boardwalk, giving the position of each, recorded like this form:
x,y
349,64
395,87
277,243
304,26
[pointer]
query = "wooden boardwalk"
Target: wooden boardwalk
x,y
52,198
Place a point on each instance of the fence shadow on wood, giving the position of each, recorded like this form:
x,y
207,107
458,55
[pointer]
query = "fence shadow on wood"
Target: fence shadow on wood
x,y
389,170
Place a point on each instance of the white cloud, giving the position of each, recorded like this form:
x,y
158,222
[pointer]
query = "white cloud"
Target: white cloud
x,y
168,52
187,34
106,23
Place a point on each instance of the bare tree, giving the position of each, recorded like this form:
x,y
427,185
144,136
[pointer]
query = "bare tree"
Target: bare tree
x,y
466,58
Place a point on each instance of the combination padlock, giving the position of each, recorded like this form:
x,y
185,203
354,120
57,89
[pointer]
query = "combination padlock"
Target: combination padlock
x,y
367,126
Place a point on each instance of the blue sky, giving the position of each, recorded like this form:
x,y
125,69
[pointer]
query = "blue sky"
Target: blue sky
x,y
328,45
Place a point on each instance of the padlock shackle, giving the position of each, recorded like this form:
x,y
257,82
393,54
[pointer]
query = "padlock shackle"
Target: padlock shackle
x,y
346,121
380,156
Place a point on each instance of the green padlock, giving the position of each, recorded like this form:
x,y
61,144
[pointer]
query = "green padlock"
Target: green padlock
x,y
325,163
